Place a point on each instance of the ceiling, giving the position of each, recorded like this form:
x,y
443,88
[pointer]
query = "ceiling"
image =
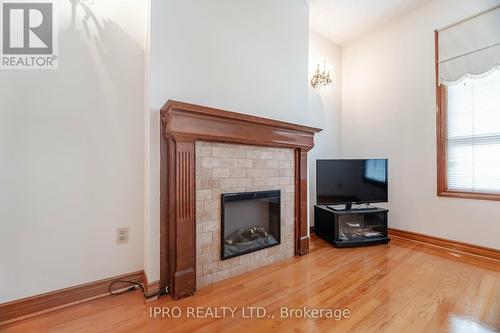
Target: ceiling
x,y
343,21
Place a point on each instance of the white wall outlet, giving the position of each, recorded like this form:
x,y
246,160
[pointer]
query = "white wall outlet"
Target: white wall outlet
x,y
122,235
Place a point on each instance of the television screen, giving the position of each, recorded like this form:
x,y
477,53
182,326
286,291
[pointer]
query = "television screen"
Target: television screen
x,y
351,181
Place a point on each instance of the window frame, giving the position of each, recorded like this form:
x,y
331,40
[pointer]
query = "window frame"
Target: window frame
x,y
442,142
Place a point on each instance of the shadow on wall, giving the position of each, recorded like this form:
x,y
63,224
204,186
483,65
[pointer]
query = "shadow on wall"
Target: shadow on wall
x,y
153,268
324,112
103,77
317,116
72,147
317,105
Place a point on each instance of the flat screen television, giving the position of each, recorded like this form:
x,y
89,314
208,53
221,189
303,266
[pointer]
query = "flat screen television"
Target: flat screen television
x,y
351,181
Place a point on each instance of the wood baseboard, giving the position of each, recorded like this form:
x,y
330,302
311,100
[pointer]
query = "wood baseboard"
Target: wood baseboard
x,y
151,288
479,252
41,304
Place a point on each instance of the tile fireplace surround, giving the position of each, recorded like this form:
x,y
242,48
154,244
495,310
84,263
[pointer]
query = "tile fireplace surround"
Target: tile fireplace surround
x,y
206,152
229,168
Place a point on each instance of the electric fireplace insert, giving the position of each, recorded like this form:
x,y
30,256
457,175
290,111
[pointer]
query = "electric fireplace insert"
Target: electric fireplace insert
x,y
250,222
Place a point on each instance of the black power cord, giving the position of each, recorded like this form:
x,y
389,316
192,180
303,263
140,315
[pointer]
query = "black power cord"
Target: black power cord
x,y
134,286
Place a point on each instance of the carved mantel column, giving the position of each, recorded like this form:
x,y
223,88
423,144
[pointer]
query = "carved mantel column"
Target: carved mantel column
x,y
301,237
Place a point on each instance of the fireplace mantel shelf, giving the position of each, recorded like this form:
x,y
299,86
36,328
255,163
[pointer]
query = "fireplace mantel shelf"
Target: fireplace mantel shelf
x,y
204,123
182,125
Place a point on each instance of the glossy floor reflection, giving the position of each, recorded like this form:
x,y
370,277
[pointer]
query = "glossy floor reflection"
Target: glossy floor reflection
x,y
400,287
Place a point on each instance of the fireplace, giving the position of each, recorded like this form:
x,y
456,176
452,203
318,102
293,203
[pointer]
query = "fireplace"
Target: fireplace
x,y
250,222
268,154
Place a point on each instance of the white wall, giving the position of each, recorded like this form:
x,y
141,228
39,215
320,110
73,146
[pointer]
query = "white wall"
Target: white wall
x,y
71,154
389,111
324,107
244,56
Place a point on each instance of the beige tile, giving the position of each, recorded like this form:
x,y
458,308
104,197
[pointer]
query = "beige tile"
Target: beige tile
x,y
273,250
247,258
252,154
204,281
266,155
227,184
211,226
243,182
266,261
286,172
206,215
260,172
207,248
203,151
220,275
202,260
205,237
278,155
244,163
210,204
204,173
252,265
237,168
228,263
204,195
199,246
266,164
237,173
260,254
285,164
284,180
237,270
209,183
267,181
228,162
228,152
210,162
209,268
220,172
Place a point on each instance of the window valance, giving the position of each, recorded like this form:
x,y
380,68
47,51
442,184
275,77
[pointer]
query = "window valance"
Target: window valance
x,y
470,48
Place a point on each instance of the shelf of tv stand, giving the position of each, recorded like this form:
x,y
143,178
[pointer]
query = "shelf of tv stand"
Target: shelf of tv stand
x,y
356,211
381,240
338,227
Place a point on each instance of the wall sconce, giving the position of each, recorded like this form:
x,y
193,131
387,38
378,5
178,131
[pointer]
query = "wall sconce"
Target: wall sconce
x,y
321,78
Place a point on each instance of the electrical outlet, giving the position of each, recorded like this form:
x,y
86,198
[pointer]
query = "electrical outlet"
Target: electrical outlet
x,y
122,235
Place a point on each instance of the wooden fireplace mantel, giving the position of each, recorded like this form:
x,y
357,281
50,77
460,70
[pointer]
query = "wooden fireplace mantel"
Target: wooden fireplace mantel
x,y
182,124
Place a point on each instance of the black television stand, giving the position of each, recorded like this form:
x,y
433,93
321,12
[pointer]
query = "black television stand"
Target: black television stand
x,y
355,227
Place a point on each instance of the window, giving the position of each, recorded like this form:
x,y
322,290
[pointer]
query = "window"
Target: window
x,y
468,97
473,134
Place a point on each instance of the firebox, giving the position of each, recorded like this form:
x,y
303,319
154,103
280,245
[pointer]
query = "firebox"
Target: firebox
x,y
250,222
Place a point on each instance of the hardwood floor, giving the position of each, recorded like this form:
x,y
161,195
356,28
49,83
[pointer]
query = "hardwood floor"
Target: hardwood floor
x,y
401,287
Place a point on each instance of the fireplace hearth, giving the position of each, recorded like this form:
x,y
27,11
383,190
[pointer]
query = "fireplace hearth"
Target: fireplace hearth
x,y
250,222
